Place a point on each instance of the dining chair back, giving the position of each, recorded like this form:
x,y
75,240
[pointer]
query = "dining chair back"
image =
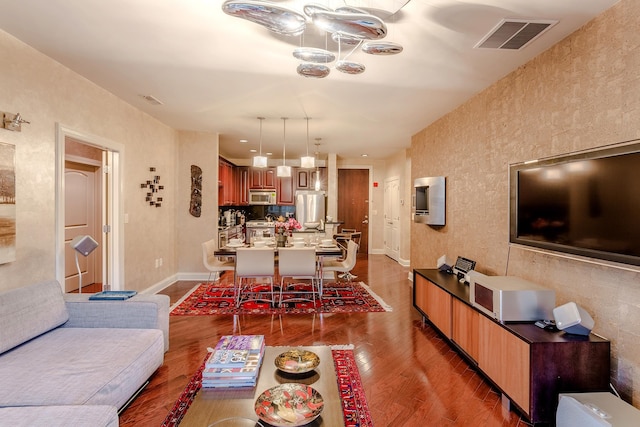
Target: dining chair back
x,y
254,263
346,265
213,263
297,264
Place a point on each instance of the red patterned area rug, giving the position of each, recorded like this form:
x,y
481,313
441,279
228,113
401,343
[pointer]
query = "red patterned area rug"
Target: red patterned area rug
x,y
337,297
354,402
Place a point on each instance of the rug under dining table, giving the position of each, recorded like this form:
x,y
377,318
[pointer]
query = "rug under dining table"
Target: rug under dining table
x,y
354,403
338,297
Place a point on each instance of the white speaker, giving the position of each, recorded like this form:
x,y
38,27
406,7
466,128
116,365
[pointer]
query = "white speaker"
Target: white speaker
x,y
84,244
599,409
573,319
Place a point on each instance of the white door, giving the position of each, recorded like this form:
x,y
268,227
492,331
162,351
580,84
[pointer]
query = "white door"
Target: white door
x,y
82,217
392,218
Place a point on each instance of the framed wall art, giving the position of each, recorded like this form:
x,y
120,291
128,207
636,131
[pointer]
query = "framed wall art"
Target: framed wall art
x,y
7,203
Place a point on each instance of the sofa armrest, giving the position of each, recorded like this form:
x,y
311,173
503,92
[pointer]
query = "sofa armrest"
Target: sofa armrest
x,y
138,312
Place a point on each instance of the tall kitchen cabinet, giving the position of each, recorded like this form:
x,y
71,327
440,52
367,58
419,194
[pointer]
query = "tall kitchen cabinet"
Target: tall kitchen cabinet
x,y
226,183
529,365
242,185
285,191
262,178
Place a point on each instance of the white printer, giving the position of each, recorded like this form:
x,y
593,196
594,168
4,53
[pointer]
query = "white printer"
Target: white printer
x,y
595,410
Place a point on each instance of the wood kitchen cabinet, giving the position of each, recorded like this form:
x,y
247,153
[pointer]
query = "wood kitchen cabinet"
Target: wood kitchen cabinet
x,y
226,181
262,178
242,185
529,365
305,179
285,190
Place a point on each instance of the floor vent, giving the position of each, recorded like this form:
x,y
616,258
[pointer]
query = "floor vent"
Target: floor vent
x,y
514,34
151,99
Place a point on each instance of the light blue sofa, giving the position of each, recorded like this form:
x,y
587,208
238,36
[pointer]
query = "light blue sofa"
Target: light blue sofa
x,y
68,361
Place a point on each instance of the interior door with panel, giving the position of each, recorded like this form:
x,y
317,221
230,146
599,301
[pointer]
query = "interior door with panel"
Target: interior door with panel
x,y
353,202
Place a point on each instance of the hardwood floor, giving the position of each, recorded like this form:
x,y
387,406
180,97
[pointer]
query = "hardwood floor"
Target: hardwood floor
x,y
411,376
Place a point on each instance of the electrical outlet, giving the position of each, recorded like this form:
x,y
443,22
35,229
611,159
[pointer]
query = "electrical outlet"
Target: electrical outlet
x,y
157,263
160,262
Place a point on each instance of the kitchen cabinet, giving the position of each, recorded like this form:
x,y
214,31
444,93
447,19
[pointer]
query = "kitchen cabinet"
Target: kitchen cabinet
x,y
226,187
529,365
242,185
305,179
285,190
262,178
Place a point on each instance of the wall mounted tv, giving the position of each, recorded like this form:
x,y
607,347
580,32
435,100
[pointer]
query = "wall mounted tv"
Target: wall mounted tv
x,y
585,203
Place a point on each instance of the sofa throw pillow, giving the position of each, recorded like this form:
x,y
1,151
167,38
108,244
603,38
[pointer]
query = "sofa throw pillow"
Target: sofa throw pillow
x,y
30,311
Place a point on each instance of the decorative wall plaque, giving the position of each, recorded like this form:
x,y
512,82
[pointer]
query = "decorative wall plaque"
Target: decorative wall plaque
x,y
7,203
153,188
195,207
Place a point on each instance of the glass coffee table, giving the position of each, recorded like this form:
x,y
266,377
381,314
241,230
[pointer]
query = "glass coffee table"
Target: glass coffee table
x,y
215,404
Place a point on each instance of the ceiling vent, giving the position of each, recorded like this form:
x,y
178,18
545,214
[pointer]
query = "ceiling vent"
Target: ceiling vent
x,y
151,99
514,34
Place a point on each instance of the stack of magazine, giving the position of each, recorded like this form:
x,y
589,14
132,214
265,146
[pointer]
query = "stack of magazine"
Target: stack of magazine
x,y
234,362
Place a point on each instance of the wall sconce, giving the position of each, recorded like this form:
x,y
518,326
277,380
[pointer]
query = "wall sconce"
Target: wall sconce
x,y
12,121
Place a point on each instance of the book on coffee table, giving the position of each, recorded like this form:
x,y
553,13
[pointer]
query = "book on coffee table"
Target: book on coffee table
x,y
234,362
113,295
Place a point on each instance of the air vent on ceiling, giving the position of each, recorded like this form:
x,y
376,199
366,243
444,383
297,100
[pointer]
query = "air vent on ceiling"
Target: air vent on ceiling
x,y
151,99
514,33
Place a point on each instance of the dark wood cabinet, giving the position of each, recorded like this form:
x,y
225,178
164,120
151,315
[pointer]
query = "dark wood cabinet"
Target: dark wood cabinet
x,y
305,179
262,178
531,366
285,190
242,185
226,181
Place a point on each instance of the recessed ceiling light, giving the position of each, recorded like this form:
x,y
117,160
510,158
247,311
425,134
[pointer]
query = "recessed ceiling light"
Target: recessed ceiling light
x,y
364,155
243,141
269,154
253,150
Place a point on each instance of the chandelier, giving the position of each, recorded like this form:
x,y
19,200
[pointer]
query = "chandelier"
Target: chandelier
x,y
348,26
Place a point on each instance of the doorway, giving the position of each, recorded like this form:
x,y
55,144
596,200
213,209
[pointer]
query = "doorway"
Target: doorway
x,y
353,202
392,218
83,216
105,216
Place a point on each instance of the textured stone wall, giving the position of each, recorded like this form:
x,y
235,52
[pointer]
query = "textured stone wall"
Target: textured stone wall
x,y
582,93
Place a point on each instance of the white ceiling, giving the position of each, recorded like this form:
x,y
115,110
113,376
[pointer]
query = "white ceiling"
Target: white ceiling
x,y
217,73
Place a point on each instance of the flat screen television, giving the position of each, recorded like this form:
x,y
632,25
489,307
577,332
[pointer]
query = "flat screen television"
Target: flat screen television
x,y
585,203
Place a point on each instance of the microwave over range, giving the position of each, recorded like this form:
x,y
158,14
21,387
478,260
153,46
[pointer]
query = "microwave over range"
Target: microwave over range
x,y
262,197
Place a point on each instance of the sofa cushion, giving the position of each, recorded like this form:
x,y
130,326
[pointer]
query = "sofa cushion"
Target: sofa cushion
x,y
30,311
78,366
60,416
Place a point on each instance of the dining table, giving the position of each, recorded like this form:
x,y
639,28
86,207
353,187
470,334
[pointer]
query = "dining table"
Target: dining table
x,y
323,251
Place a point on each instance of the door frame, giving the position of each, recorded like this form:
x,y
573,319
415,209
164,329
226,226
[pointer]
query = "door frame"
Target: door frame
x,y
369,195
114,205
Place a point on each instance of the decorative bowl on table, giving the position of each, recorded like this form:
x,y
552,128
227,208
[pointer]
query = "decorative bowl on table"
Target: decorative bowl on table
x,y
298,244
289,405
297,361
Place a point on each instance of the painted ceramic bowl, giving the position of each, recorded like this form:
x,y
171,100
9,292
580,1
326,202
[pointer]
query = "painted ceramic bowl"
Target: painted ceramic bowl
x,y
289,405
297,361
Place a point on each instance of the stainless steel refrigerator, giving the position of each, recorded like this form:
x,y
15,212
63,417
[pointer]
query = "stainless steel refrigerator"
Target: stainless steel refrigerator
x,y
310,209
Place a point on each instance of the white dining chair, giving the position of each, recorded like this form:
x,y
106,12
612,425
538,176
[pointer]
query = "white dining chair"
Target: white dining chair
x,y
298,264
252,264
213,263
343,266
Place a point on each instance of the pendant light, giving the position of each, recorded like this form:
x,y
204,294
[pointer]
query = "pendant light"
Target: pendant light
x,y
317,185
260,161
307,162
284,170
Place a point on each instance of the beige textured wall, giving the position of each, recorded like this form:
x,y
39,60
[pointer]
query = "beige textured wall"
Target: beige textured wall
x,y
200,149
582,93
46,93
